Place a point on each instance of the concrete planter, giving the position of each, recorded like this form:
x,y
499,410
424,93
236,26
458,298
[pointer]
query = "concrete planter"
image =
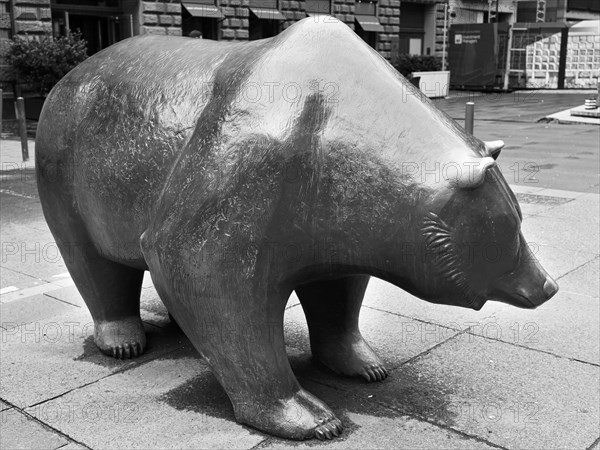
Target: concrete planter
x,y
434,84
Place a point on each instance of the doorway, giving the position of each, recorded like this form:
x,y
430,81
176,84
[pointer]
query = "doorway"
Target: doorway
x,y
99,32
100,24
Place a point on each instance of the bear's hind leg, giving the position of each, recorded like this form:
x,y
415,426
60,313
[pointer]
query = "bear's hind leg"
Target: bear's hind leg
x,y
118,327
332,308
111,292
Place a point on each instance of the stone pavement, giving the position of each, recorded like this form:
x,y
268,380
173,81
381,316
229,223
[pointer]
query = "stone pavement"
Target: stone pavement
x,y
497,378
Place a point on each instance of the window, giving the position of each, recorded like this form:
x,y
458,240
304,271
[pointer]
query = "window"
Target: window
x,y
101,23
412,28
313,7
366,22
265,19
200,18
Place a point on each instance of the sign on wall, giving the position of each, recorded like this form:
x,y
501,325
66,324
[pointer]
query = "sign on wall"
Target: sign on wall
x,y
474,55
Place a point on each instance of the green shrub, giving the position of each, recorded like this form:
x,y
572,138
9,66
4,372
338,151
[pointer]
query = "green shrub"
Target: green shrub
x,y
408,64
42,63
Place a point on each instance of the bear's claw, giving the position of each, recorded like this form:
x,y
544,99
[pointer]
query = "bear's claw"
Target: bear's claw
x,y
329,430
375,373
127,350
122,338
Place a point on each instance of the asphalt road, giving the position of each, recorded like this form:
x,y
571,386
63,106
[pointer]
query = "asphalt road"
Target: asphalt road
x,y
547,155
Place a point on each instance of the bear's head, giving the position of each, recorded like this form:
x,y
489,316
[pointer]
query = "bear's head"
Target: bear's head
x,y
473,248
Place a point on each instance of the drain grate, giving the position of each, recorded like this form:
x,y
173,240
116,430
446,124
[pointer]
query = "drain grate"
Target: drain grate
x,y
533,199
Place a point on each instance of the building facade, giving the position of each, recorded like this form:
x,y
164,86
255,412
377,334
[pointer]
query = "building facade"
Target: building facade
x,y
523,11
392,28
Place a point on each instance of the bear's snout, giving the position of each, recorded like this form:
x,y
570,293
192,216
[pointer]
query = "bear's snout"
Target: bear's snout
x,y
528,285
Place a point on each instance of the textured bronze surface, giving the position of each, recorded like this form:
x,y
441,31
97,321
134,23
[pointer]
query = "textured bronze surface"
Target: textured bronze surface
x,y
238,172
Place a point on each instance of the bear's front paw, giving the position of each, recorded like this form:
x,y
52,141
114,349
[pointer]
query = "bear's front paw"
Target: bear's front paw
x,y
302,416
349,355
122,339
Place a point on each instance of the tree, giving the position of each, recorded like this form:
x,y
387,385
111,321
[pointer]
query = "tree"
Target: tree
x,y
42,63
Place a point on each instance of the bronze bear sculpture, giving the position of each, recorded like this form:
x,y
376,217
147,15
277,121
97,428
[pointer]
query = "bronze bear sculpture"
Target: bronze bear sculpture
x,y
238,172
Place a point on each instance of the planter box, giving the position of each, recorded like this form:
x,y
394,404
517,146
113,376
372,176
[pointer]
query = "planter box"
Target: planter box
x,y
434,84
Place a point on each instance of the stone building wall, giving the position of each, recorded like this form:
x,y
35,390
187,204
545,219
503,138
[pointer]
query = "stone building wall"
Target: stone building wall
x,y
293,10
161,17
235,25
31,18
389,16
344,11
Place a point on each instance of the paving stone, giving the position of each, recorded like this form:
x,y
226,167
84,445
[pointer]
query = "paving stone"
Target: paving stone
x,y
9,277
42,288
167,403
68,294
532,209
30,251
558,261
370,424
567,325
596,445
525,189
585,280
73,446
385,433
395,339
33,309
572,195
537,203
511,396
562,233
153,309
17,431
24,207
387,297
50,357
586,208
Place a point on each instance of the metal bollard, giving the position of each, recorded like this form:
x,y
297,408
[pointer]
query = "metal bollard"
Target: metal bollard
x,y
469,117
22,128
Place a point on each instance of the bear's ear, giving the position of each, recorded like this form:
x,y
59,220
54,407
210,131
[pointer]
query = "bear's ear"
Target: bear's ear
x,y
492,148
474,173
